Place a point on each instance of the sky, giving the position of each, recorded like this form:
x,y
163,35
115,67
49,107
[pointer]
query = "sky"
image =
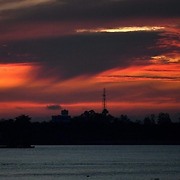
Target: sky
x,y
61,54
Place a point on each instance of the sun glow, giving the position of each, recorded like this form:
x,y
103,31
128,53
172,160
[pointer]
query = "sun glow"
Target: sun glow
x,y
166,59
14,74
121,29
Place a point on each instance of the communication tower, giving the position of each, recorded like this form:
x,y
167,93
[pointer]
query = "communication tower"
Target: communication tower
x,y
105,111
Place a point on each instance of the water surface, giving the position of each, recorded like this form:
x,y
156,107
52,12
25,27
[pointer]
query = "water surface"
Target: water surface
x,y
91,162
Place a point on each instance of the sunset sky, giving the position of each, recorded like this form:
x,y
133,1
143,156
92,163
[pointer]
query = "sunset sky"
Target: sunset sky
x,y
60,54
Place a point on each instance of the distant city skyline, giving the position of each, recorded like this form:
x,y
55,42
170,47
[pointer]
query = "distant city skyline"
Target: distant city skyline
x,y
61,55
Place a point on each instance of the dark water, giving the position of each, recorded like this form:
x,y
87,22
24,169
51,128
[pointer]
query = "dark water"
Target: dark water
x,y
91,162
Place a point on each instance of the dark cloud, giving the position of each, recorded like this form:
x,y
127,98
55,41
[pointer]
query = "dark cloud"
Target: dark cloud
x,y
94,10
54,107
71,56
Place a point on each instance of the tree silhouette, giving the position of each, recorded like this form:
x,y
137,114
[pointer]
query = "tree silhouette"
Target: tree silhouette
x,y
124,119
22,119
23,129
149,120
164,119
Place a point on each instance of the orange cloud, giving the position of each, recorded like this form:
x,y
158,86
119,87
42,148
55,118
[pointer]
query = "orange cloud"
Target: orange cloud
x,y
144,88
13,75
13,109
167,72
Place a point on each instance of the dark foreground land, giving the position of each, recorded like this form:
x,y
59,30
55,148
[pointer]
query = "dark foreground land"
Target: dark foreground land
x,y
89,128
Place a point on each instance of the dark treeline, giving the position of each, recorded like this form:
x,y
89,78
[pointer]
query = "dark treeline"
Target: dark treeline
x,y
90,128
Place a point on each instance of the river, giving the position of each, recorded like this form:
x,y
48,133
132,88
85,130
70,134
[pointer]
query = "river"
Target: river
x,y
121,162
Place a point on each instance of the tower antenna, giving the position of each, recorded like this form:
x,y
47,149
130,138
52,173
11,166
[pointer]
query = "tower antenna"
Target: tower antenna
x,y
105,111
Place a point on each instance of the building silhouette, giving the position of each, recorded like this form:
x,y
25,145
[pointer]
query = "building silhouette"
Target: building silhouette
x,y
63,118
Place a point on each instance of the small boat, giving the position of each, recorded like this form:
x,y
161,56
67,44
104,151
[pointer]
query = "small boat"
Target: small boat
x,y
17,146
